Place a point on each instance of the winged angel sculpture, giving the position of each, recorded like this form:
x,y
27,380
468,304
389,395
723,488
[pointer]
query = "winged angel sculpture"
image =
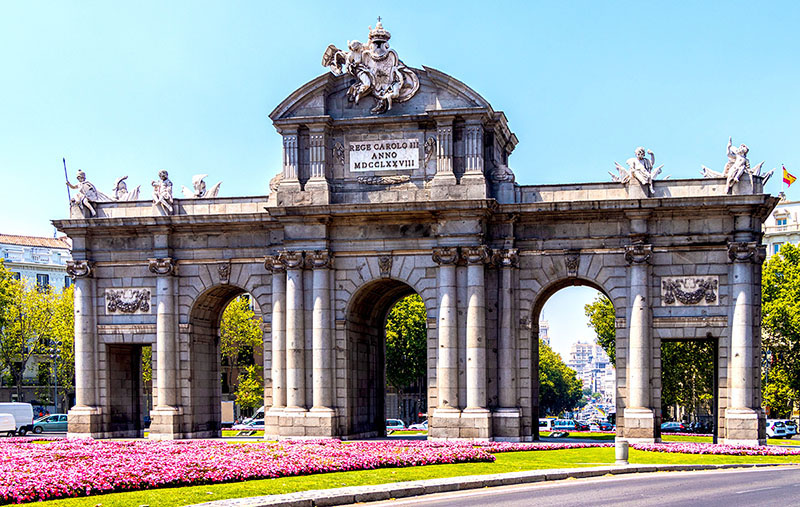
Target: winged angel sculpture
x,y
738,164
377,70
639,168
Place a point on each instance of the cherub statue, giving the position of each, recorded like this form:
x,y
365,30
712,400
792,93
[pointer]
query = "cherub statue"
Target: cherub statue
x,y
199,185
737,165
162,192
87,194
121,191
640,168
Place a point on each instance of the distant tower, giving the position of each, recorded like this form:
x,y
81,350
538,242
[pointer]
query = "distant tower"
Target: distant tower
x,y
544,331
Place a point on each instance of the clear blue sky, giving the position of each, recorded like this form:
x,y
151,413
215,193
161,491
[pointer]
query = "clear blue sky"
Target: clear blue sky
x,y
133,87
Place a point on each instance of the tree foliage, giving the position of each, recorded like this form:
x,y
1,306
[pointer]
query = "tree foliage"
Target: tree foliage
x,y
780,309
559,389
250,391
602,320
687,375
406,342
240,334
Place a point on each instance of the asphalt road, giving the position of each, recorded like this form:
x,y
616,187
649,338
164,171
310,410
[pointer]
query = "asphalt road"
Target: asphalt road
x,y
729,488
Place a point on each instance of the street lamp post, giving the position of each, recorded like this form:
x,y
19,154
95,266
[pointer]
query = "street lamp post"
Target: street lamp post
x,y
55,356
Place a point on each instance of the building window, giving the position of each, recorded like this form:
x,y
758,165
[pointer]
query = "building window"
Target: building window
x,y
780,221
15,275
776,248
42,281
67,282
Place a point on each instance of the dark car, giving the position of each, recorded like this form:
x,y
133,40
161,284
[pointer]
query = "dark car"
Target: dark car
x,y
581,426
673,427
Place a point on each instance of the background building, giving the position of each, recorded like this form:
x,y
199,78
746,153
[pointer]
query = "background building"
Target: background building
x,y
782,226
40,261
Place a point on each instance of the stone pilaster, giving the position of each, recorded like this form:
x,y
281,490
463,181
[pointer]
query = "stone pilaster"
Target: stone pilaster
x,y
278,327
317,183
322,389
295,336
291,161
743,418
166,415
444,177
473,178
84,417
640,422
506,419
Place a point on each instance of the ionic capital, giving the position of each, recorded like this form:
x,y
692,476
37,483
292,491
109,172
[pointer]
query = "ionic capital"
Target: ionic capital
x,y
476,254
318,259
273,263
638,253
506,258
163,266
80,269
743,251
445,255
292,259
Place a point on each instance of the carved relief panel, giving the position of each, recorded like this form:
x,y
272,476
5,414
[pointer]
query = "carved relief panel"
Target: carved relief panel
x,y
689,291
127,301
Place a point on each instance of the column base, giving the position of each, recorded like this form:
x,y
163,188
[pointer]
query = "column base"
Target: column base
x,y
476,185
297,422
444,186
319,191
85,422
640,426
476,424
444,423
165,423
507,425
744,426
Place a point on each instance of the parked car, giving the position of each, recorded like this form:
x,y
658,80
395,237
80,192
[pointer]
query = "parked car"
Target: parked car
x,y
254,425
23,415
419,426
673,427
581,426
56,423
394,425
791,428
564,425
776,429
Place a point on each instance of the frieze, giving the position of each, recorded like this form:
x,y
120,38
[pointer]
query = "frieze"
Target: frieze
x,y
384,180
130,301
690,291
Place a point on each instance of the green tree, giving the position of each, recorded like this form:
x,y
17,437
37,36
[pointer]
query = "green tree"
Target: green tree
x,y
250,391
240,334
780,310
406,343
27,326
63,332
687,375
559,389
777,395
602,320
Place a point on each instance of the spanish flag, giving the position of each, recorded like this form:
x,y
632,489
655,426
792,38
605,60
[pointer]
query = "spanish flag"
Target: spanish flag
x,y
788,178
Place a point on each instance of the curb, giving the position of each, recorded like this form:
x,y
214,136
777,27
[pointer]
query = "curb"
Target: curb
x,y
378,492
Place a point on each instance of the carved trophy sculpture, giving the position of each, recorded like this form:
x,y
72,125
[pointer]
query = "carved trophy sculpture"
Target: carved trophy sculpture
x,y
738,164
121,191
162,192
199,188
87,194
639,169
377,69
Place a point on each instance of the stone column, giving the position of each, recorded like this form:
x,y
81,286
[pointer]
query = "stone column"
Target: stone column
x,y
295,336
639,415
165,416
473,148
322,346
317,183
507,260
84,417
447,329
742,415
476,327
278,332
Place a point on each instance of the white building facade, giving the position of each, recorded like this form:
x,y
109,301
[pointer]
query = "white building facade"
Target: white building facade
x,y
782,226
37,260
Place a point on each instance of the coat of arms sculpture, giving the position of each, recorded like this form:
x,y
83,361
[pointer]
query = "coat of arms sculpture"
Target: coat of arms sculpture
x,y
377,69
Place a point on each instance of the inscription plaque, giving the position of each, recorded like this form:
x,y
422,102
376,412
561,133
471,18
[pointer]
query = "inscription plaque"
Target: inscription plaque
x,y
384,155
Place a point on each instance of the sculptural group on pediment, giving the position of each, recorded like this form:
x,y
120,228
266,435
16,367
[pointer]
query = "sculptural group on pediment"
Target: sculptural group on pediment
x,y
378,70
738,164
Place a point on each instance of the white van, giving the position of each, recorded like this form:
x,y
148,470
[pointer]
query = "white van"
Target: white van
x,y
23,415
7,425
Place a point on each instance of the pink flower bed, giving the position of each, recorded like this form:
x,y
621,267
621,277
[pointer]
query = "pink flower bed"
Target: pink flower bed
x,y
39,471
730,450
495,447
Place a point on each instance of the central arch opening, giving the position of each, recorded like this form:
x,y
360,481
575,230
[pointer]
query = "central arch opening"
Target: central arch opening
x,y
370,403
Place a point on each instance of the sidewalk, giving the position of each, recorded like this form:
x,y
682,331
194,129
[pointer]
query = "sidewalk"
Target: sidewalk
x,y
357,494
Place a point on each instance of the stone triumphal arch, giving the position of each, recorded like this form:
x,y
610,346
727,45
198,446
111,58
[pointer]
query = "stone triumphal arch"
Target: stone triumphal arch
x,y
395,180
